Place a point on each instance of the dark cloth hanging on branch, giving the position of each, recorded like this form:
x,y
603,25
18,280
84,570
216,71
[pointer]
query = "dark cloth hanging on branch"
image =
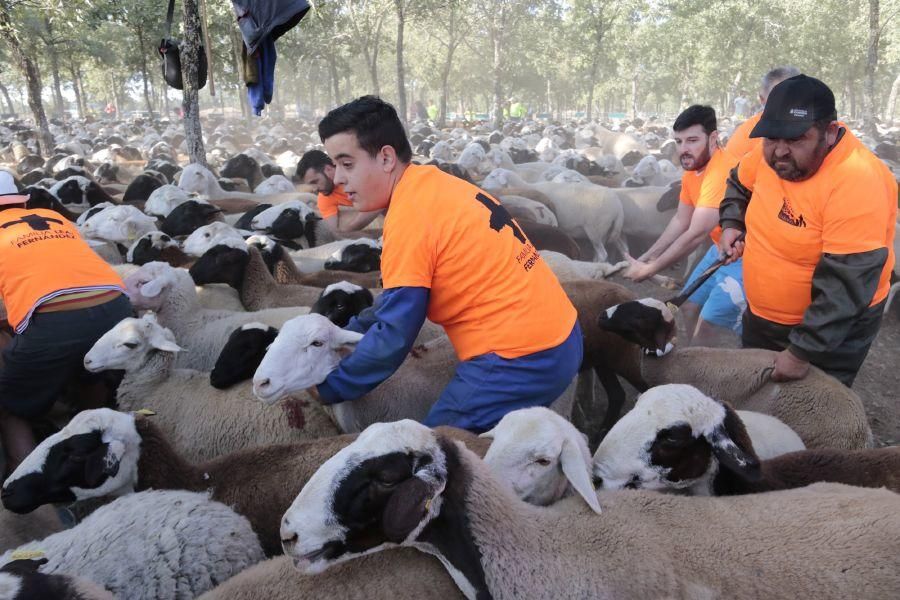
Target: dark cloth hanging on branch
x,y
261,23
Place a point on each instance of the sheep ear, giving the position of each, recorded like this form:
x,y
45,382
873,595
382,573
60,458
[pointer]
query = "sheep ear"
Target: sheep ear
x,y
345,337
153,288
160,341
488,434
731,445
578,472
405,509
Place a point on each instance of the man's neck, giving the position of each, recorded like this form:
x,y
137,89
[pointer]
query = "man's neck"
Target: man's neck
x,y
397,175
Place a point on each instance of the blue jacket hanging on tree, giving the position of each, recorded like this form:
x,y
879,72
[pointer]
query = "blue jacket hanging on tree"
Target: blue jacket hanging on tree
x,y
261,23
260,92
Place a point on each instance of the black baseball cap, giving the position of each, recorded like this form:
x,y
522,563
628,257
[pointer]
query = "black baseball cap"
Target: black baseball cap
x,y
793,106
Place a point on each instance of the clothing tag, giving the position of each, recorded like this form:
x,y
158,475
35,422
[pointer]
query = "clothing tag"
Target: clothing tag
x,y
27,554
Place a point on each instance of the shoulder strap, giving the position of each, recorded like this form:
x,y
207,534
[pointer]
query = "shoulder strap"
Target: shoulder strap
x,y
169,14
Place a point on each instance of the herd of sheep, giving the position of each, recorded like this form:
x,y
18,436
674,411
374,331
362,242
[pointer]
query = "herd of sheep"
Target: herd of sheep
x,y
215,473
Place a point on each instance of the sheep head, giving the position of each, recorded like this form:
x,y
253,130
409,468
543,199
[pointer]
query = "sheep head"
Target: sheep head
x,y
306,350
127,345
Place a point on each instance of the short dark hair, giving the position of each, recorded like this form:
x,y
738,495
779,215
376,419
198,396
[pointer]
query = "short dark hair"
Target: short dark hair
x,y
776,76
375,123
313,159
698,114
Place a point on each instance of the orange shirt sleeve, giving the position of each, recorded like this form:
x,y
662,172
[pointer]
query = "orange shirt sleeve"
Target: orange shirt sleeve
x,y
328,206
408,255
713,188
748,168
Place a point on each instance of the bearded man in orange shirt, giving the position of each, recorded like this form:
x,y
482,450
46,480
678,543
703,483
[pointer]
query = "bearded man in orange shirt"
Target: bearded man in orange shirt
x,y
819,211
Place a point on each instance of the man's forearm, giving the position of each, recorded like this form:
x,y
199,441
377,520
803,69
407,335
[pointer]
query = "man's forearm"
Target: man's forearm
x,y
672,232
733,208
359,221
679,249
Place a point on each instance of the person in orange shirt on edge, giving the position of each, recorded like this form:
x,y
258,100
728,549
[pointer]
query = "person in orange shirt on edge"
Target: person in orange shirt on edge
x,y
717,305
315,168
740,143
819,212
60,298
452,253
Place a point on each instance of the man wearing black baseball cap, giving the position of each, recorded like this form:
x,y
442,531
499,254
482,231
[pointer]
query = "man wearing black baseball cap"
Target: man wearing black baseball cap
x,y
819,212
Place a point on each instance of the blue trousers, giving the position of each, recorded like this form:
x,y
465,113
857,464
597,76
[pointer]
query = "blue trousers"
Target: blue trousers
x,y
486,387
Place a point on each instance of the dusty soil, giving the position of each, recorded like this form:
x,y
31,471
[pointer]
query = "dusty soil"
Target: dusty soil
x,y
878,382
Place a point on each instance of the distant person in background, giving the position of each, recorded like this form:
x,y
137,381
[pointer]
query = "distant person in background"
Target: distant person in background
x,y
316,169
740,143
433,111
819,212
517,110
420,111
741,106
717,305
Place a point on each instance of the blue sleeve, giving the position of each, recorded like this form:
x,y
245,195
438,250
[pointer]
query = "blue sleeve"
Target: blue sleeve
x,y
367,317
387,341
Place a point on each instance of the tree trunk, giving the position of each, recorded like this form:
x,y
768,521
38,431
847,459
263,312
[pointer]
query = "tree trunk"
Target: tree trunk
x,y
59,104
869,103
335,82
7,99
401,71
498,83
372,59
32,80
888,108
144,72
634,95
445,88
80,81
190,61
237,43
79,101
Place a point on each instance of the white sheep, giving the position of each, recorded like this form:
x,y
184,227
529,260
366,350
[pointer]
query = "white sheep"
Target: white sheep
x,y
171,293
157,544
163,199
274,184
119,224
583,210
426,492
202,421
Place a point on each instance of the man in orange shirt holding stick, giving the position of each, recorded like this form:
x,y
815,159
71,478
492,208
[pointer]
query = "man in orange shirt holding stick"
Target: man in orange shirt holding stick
x,y
819,212
452,253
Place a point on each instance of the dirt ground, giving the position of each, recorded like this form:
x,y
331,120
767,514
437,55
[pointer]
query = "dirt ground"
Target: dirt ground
x,y
878,382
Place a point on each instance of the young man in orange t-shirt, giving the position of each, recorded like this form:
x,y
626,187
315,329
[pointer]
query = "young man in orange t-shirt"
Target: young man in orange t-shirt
x,y
60,297
715,308
452,253
315,168
819,211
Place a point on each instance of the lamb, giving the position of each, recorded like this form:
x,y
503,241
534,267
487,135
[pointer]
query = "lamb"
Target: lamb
x,y
250,481
441,499
156,246
542,456
583,210
241,354
244,270
170,292
165,544
403,573
214,234
668,442
21,580
567,269
204,422
741,378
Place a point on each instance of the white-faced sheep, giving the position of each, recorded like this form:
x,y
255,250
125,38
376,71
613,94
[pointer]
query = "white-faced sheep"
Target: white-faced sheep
x,y
171,293
742,378
202,421
214,234
119,224
165,544
441,498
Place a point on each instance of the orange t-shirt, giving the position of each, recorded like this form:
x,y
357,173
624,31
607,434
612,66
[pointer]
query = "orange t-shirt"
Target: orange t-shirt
x,y
490,289
740,144
328,205
848,206
42,256
706,188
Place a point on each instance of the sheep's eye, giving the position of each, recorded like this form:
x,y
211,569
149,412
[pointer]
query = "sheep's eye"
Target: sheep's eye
x,y
131,345
317,344
544,462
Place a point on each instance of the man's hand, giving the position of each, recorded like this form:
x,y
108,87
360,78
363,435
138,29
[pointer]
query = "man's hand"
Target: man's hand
x,y
788,367
730,246
637,270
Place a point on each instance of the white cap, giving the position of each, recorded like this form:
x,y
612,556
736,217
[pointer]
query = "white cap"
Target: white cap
x,y
9,194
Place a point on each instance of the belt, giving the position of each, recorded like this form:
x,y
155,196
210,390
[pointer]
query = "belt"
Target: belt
x,y
78,300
